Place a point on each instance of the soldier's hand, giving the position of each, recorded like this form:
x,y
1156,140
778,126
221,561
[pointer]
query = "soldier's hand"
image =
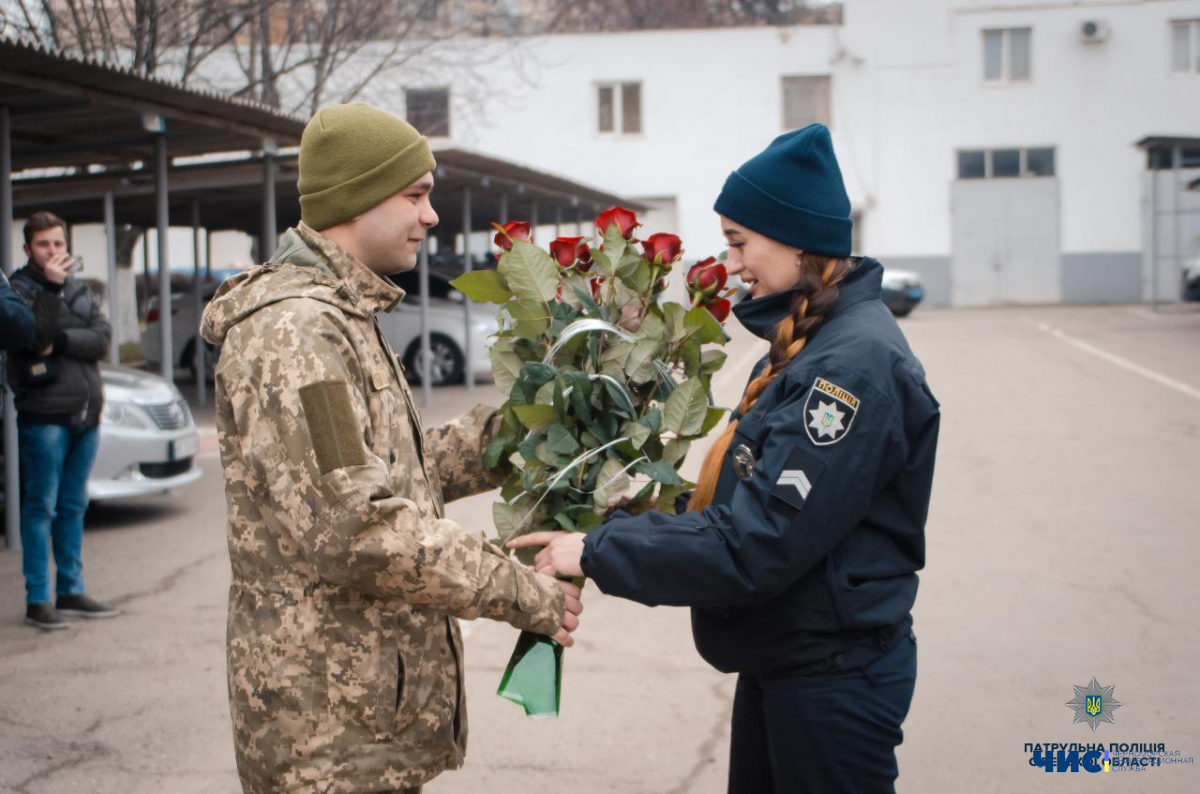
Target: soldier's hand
x,y
574,608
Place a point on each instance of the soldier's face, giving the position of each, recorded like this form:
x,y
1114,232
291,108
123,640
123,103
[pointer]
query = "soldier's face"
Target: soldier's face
x,y
390,233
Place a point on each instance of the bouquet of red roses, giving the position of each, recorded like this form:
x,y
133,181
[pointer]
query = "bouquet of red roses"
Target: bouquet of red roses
x,y
607,388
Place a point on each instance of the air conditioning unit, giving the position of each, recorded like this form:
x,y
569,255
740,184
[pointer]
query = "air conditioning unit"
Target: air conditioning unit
x,y
1093,31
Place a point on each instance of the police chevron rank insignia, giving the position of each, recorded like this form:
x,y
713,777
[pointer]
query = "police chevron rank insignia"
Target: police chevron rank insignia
x,y
797,478
828,413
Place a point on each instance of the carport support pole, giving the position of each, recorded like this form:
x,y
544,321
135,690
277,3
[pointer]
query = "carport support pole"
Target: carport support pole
x,y
110,250
426,356
12,473
267,244
1153,234
198,302
533,219
1177,220
163,223
469,372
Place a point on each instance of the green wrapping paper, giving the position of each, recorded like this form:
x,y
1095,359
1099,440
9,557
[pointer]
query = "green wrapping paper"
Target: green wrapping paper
x,y
533,677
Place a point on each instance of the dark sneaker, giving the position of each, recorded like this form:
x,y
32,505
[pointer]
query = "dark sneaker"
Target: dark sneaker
x,y
85,607
45,616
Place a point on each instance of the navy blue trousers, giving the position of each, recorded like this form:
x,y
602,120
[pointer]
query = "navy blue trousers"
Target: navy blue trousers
x,y
824,733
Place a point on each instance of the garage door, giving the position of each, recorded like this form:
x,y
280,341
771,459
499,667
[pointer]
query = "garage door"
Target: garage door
x,y
1005,237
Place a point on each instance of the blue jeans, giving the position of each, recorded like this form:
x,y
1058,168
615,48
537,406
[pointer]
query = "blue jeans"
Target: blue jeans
x,y
814,734
55,463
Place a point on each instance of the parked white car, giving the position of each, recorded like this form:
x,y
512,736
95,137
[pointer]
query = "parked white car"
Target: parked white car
x,y
148,440
401,328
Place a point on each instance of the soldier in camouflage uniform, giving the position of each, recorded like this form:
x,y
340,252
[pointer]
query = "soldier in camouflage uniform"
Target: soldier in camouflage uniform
x,y
345,660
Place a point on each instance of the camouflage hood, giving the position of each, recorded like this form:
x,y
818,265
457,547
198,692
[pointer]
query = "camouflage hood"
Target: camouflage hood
x,y
303,266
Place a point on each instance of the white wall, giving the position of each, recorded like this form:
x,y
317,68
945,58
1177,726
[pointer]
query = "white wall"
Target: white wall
x,y
710,100
919,91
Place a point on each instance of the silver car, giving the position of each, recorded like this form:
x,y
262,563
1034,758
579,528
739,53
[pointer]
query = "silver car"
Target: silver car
x,y
148,440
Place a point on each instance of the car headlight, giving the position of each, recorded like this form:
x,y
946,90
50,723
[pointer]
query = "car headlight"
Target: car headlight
x,y
121,414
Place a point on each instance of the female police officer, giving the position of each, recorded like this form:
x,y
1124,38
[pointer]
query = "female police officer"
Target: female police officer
x,y
800,548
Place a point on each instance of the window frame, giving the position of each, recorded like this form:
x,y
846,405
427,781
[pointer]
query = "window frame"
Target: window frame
x,y
408,111
783,98
989,170
1193,43
1006,57
618,90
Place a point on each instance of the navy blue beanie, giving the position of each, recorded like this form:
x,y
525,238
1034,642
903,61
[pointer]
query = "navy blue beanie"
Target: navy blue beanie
x,y
793,193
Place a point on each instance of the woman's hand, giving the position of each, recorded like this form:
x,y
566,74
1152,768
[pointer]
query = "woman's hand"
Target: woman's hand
x,y
561,555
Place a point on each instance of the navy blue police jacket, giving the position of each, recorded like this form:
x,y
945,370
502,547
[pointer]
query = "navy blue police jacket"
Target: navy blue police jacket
x,y
810,550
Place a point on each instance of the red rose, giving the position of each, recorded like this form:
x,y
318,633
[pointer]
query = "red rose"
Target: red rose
x,y
565,250
558,293
718,309
704,275
596,283
513,230
662,248
624,219
585,258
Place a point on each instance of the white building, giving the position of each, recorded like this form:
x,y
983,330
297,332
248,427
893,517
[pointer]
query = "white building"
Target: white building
x,y
987,144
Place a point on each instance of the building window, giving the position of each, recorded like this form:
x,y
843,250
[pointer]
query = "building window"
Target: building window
x,y
429,110
427,10
1005,163
619,108
805,100
1007,55
1162,158
1185,46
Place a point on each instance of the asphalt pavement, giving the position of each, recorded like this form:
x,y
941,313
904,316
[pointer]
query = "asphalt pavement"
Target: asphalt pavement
x,y
1062,546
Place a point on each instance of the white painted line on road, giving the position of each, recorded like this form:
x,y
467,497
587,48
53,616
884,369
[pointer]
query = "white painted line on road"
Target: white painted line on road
x,y
1149,374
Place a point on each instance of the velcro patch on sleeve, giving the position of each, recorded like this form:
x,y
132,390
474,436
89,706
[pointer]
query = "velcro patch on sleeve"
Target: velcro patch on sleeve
x,y
798,478
381,379
336,436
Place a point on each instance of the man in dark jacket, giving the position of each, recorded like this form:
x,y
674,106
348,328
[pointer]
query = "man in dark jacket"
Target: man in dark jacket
x,y
23,328
59,396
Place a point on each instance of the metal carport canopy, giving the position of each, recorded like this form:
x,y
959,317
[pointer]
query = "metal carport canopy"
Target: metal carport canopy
x,y
59,111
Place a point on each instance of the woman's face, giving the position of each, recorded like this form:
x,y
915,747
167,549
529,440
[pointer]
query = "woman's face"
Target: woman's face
x,y
764,265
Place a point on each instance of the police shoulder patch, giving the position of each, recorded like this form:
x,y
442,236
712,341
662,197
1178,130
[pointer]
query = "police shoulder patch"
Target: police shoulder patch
x,y
829,412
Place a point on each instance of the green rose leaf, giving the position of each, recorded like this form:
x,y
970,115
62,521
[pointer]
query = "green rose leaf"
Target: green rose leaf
x,y
659,471
486,286
611,485
531,317
669,493
636,432
506,365
640,365
652,420
507,518
684,411
560,440
675,450
535,417
676,329
620,397
712,360
530,272
704,326
711,417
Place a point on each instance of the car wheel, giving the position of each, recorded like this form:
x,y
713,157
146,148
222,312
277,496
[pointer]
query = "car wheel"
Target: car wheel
x,y
901,311
188,359
447,365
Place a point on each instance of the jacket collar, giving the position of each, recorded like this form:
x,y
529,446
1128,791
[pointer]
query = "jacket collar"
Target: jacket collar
x,y
374,293
760,316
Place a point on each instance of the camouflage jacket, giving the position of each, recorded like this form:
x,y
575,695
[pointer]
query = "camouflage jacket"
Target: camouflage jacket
x,y
345,660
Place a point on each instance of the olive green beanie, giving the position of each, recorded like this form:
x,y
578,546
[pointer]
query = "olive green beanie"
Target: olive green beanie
x,y
352,157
